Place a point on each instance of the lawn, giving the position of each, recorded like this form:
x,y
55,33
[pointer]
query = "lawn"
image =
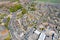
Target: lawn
x,y
8,37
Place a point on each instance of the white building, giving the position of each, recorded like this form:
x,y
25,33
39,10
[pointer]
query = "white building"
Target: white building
x,y
42,36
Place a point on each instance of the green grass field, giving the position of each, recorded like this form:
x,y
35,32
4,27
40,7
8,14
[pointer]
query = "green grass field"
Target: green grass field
x,y
52,1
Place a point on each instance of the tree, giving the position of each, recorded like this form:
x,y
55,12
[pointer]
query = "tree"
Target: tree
x,y
15,8
24,11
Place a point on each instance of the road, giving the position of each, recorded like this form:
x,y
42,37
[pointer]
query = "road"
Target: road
x,y
11,26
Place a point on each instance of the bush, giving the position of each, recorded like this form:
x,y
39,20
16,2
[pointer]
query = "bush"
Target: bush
x,y
7,22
